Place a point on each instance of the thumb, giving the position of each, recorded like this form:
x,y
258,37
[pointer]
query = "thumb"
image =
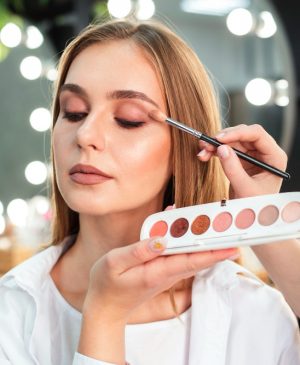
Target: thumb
x,y
125,258
232,167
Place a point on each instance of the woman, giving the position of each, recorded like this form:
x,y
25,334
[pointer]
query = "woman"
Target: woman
x,y
113,166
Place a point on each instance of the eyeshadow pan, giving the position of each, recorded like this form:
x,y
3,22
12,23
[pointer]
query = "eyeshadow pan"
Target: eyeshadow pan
x,y
291,212
268,215
222,222
245,218
200,224
179,227
159,228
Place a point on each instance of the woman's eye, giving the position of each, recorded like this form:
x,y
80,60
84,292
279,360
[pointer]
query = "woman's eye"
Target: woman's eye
x,y
74,117
128,124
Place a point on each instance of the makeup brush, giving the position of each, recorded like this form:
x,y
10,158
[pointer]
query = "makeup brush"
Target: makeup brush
x,y
160,117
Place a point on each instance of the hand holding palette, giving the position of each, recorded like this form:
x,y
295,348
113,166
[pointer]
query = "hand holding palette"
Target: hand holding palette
x,y
229,223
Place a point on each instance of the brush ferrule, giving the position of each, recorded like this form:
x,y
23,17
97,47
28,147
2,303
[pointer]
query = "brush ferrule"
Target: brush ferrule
x,y
184,128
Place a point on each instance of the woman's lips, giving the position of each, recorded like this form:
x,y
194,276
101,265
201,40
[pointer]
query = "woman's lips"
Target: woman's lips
x,y
88,175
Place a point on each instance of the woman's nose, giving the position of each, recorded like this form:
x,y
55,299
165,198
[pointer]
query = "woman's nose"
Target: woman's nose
x,y
92,132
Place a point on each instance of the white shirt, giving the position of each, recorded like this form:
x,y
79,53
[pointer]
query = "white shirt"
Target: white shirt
x,y
234,320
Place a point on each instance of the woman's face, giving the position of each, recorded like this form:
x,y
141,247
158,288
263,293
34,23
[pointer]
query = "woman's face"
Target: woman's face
x,y
103,124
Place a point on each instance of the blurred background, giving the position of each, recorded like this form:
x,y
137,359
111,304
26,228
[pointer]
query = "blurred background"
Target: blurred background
x,y
249,47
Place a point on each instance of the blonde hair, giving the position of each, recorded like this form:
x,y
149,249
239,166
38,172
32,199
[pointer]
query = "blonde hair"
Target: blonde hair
x,y
189,98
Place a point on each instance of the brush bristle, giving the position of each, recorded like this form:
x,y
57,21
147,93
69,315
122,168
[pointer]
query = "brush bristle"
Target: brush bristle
x,y
157,115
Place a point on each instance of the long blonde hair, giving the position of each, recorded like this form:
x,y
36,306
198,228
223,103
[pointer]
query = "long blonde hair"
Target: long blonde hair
x,y
189,98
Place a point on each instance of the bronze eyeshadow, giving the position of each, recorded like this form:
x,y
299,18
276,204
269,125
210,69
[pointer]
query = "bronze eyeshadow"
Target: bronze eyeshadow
x,y
200,224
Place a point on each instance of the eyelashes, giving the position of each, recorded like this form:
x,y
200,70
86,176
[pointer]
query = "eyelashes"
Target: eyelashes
x,y
124,123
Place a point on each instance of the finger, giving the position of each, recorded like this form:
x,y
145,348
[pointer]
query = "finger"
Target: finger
x,y
204,155
256,134
233,169
121,259
180,265
170,207
207,146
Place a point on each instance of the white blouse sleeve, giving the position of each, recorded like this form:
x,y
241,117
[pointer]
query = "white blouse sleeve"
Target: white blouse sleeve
x,y
3,359
80,359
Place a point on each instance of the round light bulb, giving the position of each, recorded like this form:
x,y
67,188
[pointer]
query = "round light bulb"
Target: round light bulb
x,y
34,37
258,91
240,21
282,92
36,172
266,26
145,9
11,35
119,8
51,74
31,68
41,204
40,119
17,211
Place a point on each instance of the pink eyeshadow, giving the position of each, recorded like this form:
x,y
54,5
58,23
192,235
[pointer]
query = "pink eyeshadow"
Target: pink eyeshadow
x,y
268,215
291,212
245,218
159,228
222,222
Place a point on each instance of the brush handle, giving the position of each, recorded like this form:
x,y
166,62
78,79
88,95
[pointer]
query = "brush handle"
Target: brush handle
x,y
216,143
248,158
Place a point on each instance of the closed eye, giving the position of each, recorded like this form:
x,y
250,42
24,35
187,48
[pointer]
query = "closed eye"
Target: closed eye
x,y
128,124
74,117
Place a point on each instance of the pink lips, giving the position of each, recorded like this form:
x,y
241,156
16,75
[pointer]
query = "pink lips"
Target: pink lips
x,y
88,175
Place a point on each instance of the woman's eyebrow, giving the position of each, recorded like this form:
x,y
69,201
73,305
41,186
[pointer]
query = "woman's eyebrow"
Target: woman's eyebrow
x,y
116,94
131,94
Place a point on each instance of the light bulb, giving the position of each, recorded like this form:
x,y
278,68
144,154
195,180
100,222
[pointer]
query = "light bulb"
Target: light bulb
x,y
266,25
240,21
17,211
34,37
145,9
258,91
36,172
31,67
11,35
119,8
40,119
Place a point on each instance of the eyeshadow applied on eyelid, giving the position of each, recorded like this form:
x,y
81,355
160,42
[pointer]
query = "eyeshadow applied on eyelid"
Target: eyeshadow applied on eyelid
x,y
240,222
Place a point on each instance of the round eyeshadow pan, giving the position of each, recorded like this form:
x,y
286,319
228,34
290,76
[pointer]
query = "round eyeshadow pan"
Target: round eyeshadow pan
x,y
179,227
159,228
222,222
200,224
268,215
291,212
245,218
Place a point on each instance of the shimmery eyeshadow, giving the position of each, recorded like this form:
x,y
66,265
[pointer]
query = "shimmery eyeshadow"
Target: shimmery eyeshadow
x,y
200,224
291,212
179,227
268,215
222,222
245,218
159,228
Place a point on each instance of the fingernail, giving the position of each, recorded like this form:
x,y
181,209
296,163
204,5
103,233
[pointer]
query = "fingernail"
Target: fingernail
x,y
223,151
157,244
202,153
234,257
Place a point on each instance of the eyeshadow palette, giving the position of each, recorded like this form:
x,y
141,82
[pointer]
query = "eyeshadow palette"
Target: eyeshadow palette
x,y
229,223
